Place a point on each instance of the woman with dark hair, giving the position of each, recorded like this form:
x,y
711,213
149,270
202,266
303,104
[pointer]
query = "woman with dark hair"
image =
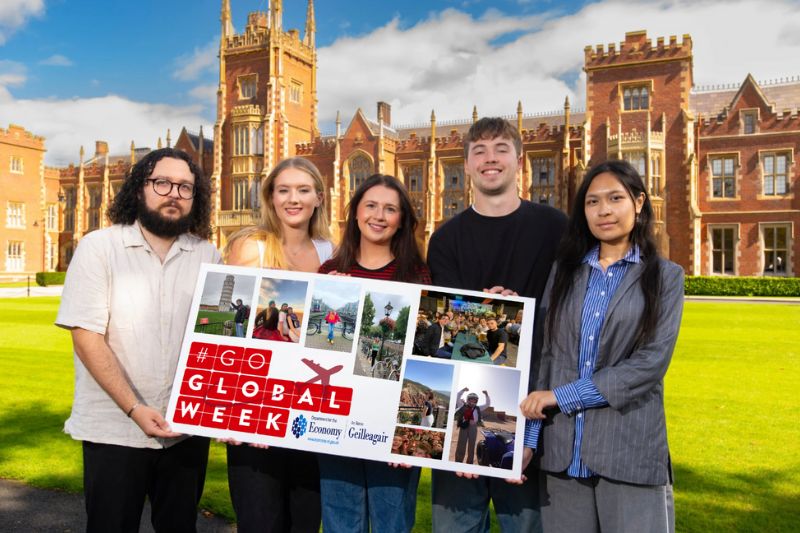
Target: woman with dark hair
x,y
613,310
379,242
277,489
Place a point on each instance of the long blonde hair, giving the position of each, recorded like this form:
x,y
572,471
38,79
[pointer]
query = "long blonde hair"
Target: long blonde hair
x,y
269,229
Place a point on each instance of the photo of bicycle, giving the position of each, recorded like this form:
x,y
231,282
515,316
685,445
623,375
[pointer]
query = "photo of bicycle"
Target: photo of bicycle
x,y
384,323
332,316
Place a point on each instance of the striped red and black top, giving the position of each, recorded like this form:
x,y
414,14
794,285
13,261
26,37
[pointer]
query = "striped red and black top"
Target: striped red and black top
x,y
385,272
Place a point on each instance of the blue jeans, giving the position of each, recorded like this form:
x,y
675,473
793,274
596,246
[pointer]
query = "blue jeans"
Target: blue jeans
x,y
330,330
462,505
360,495
239,329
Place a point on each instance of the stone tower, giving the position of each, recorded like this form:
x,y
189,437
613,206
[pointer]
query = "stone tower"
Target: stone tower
x,y
266,103
226,296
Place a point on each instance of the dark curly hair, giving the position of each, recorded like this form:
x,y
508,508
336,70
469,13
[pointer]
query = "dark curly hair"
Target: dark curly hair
x,y
124,207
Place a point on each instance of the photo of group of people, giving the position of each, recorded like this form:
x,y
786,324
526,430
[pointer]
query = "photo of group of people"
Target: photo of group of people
x,y
384,324
280,310
468,328
332,318
418,442
225,305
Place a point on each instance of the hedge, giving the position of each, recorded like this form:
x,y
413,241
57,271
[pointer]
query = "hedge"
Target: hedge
x,y
43,279
741,286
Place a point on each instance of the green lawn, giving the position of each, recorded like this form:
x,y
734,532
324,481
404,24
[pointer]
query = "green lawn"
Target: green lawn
x,y
730,410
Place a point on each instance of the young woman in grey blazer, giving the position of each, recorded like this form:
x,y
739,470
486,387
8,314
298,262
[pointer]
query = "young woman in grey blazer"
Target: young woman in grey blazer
x,y
613,310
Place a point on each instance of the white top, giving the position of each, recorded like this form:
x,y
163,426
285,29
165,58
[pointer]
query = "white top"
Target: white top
x,y
117,286
324,250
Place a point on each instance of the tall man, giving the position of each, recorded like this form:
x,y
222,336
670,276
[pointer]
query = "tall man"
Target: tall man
x,y
505,245
126,301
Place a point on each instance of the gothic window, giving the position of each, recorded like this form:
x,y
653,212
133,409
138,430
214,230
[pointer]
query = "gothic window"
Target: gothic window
x,y
723,249
240,194
15,256
416,188
69,209
15,215
775,168
247,87
543,179
749,120
638,161
635,98
51,221
95,199
296,92
241,139
455,188
723,177
360,170
16,164
777,243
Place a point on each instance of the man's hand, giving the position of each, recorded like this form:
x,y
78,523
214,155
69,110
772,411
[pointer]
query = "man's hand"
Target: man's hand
x,y
527,455
502,291
466,475
534,405
152,423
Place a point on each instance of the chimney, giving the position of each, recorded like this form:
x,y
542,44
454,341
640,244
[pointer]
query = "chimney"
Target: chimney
x,y
100,148
385,113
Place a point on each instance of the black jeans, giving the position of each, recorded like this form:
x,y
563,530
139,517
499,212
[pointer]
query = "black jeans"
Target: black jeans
x,y
116,480
274,490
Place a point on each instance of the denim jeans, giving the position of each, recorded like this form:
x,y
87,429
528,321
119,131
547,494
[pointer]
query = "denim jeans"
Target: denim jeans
x,y
239,329
360,495
462,505
330,330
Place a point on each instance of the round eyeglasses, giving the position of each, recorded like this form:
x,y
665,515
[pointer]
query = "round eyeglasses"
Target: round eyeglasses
x,y
163,187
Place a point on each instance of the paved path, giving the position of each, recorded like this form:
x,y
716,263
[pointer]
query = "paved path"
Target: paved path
x,y
25,509
21,292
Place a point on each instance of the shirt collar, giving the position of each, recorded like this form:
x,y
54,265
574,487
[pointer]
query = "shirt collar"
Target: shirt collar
x,y
593,256
132,236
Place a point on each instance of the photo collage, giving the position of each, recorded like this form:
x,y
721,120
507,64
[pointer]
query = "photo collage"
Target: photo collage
x,y
454,356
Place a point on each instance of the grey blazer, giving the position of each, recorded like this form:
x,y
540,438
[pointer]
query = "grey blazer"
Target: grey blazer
x,y
626,440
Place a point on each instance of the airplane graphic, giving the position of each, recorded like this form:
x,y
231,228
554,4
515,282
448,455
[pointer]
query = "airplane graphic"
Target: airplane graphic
x,y
323,374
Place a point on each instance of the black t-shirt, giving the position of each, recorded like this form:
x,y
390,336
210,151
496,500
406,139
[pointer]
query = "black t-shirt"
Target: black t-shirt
x,y
494,338
428,408
515,251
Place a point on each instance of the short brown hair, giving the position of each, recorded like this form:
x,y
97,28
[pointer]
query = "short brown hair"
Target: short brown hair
x,y
491,128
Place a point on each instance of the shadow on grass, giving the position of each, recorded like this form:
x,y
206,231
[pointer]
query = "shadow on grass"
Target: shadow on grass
x,y
756,500
34,448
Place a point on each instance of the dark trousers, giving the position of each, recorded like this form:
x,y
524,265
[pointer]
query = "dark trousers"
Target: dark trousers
x,y
274,490
117,479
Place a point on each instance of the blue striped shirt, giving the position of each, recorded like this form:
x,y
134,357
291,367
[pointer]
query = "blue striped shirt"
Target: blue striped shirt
x,y
573,398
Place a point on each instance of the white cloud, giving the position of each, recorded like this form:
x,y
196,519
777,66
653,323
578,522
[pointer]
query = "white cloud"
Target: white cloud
x,y
56,60
68,124
14,13
452,61
205,94
202,61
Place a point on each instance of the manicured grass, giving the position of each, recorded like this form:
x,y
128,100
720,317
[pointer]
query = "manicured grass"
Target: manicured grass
x,y
730,410
17,284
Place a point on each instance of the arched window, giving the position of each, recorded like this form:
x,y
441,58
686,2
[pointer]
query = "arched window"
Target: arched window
x,y
644,101
627,99
360,170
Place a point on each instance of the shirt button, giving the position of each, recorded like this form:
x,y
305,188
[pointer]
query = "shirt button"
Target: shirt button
x,y
597,314
602,293
610,274
591,337
580,415
588,363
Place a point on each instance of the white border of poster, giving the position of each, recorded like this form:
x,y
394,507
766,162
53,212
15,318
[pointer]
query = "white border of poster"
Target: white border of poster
x,y
311,393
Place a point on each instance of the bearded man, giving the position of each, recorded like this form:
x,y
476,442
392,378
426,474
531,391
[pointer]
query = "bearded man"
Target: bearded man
x,y
126,301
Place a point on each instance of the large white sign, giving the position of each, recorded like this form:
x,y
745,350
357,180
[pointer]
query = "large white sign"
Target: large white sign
x,y
356,367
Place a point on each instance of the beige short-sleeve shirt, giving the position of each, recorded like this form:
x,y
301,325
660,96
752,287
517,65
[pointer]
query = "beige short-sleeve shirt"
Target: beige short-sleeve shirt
x,y
117,286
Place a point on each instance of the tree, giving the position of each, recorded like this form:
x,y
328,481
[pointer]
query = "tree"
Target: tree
x,y
401,326
368,315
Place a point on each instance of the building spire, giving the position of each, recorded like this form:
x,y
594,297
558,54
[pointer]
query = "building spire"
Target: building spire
x,y
474,114
311,26
519,116
276,15
225,19
169,139
133,153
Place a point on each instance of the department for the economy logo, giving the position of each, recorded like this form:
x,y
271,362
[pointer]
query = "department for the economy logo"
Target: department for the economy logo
x,y
299,426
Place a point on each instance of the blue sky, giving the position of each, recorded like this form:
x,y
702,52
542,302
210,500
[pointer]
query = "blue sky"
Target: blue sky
x,y
76,71
435,376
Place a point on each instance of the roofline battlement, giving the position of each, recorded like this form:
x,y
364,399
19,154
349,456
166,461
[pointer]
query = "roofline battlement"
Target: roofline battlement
x,y
637,48
16,134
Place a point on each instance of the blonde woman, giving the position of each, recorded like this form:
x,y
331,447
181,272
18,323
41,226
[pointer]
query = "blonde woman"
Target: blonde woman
x,y
277,489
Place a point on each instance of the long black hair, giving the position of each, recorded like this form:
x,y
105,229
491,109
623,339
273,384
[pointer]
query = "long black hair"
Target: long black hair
x,y
124,208
405,249
578,240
